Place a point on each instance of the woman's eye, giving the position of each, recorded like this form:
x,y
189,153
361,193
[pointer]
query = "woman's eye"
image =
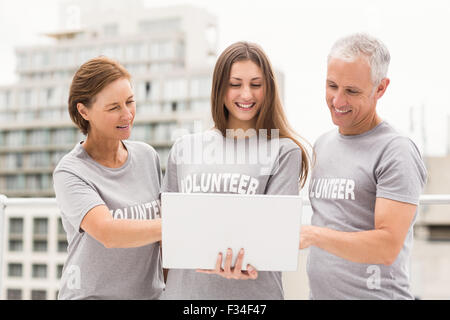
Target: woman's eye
x,y
256,85
234,84
114,108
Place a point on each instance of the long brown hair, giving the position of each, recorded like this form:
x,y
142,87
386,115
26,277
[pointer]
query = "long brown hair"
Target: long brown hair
x,y
271,114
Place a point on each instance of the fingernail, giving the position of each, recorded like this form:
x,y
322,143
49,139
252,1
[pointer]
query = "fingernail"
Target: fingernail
x,y
250,268
241,251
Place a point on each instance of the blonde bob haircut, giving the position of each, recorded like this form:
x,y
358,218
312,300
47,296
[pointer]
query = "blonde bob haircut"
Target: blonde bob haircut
x,y
271,114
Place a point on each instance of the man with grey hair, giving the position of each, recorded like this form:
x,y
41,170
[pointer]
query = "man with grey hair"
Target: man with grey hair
x,y
364,187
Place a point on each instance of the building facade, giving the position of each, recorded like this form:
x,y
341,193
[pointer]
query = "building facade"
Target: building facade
x,y
34,250
166,51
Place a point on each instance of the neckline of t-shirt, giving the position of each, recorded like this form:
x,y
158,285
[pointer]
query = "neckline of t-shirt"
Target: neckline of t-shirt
x,y
125,143
217,133
356,136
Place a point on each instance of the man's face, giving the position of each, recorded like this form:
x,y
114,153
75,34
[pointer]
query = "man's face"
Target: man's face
x,y
351,96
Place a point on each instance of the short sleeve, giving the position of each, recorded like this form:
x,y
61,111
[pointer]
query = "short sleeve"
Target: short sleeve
x,y
170,181
75,197
285,178
401,173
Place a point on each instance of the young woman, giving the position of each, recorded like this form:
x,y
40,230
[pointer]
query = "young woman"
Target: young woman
x,y
108,192
251,150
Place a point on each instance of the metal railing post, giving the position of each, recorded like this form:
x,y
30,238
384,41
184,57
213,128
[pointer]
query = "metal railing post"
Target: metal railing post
x,y
3,200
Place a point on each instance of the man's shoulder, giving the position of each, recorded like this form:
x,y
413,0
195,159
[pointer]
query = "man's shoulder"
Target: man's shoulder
x,y
324,137
391,139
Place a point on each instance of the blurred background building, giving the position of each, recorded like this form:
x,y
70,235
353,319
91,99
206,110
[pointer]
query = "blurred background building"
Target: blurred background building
x,y
167,52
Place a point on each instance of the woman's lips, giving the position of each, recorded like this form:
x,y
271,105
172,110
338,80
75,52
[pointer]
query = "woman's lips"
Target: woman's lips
x,y
245,106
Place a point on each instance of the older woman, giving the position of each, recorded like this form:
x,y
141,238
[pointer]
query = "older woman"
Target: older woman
x,y
108,192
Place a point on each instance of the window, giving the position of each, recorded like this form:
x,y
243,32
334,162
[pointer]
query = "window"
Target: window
x,y
147,90
63,136
14,269
15,138
51,96
4,100
24,115
135,51
59,270
62,246
110,30
86,54
38,295
14,294
12,161
140,133
16,226
50,114
112,51
161,25
200,105
200,87
65,57
40,226
38,159
175,89
148,87
39,245
7,117
166,50
15,245
38,137
16,182
39,271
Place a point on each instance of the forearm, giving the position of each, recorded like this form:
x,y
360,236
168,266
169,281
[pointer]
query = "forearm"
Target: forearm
x,y
371,247
126,233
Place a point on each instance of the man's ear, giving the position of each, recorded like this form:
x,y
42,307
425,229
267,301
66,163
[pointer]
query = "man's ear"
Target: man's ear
x,y
83,111
381,89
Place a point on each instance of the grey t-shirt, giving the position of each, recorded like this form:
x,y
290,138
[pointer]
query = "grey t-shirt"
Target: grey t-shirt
x,y
131,191
350,173
204,163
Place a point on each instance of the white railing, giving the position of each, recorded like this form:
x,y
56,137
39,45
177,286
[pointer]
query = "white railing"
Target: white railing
x,y
425,199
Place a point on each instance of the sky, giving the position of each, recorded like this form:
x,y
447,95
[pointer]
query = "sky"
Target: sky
x,y
297,35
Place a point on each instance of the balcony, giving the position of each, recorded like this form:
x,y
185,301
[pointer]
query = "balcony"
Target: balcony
x,y
429,274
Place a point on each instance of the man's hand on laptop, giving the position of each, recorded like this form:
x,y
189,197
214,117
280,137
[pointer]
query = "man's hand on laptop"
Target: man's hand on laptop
x,y
232,272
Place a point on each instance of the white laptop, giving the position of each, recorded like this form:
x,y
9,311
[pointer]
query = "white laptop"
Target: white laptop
x,y
197,226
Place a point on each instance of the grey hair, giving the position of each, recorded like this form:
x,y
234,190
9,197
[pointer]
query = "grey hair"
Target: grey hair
x,y
351,47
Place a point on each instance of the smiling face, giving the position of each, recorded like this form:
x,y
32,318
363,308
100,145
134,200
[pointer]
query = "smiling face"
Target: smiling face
x,y
111,115
351,95
244,95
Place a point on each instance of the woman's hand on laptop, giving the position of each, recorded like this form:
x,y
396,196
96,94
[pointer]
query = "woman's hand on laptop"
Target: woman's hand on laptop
x,y
232,272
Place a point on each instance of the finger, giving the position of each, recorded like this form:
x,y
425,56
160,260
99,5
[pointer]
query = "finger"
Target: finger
x,y
219,263
227,267
239,260
252,273
205,271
